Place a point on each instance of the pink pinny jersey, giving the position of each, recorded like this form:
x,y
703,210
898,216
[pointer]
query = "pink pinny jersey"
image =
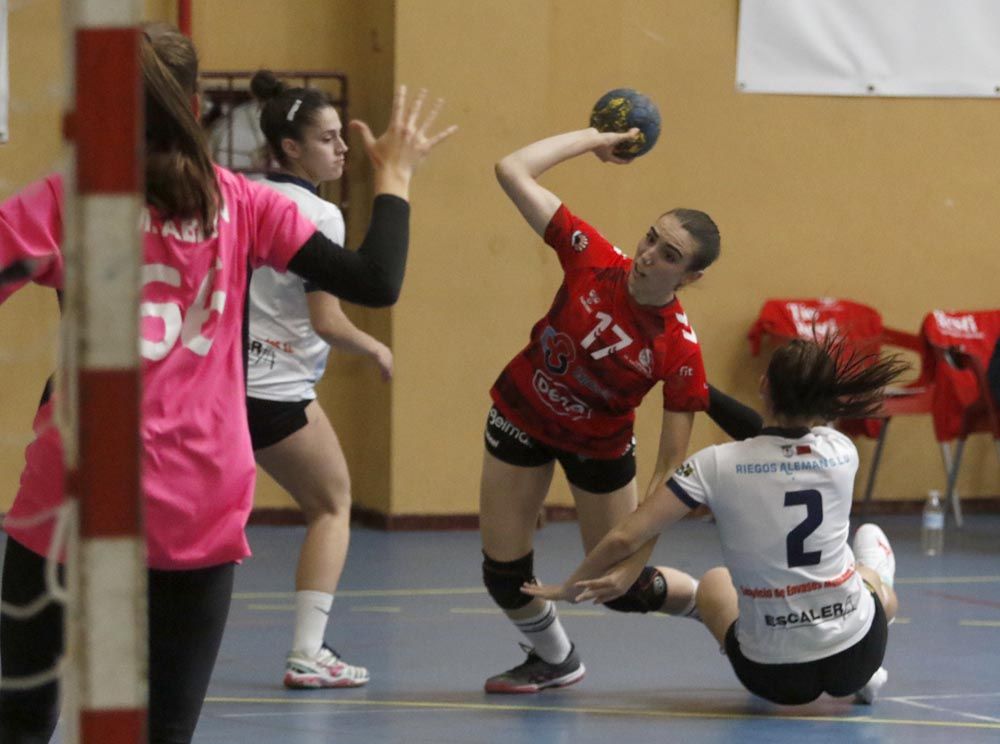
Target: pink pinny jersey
x,y
198,469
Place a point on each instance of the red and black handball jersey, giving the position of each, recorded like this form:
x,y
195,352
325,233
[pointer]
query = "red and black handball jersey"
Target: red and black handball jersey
x,y
597,352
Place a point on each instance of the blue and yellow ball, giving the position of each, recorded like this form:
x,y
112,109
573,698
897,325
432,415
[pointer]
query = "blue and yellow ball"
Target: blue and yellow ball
x,y
620,110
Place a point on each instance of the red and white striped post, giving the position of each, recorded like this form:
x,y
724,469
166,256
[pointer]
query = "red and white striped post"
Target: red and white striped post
x,y
110,634
184,16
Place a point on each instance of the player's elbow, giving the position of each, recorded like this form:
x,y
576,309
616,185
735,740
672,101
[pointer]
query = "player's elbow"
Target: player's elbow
x,y
385,296
501,169
507,170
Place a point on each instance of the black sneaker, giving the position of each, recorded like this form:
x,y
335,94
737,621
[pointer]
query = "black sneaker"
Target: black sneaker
x,y
536,674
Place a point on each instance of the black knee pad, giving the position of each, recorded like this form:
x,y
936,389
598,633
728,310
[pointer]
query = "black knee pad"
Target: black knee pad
x,y
647,594
504,580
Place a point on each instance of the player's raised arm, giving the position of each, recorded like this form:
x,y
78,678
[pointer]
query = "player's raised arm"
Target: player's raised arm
x,y
518,172
373,275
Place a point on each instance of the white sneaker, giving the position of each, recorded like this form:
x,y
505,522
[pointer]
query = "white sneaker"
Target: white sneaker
x,y
867,694
871,548
325,669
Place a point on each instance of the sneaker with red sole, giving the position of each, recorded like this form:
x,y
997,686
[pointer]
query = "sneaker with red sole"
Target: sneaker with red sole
x,y
536,674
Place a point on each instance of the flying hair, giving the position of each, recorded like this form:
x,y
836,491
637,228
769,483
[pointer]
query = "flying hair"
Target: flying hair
x,y
829,379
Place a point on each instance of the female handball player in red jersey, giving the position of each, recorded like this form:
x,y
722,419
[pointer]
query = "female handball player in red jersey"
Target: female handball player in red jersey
x,y
614,330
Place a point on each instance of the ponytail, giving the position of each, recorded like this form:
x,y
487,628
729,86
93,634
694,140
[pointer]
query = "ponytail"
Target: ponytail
x,y
180,176
828,380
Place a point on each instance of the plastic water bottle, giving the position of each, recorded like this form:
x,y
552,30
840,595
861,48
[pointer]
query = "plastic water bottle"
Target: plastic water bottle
x,y
932,530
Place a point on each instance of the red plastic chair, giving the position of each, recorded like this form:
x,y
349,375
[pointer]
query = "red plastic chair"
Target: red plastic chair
x,y
860,326
962,343
814,319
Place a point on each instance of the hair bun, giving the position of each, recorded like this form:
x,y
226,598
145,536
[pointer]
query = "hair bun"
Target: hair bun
x,y
264,85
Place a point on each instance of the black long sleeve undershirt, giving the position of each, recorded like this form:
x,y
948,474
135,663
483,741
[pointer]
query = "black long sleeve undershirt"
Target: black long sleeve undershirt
x,y
737,420
371,275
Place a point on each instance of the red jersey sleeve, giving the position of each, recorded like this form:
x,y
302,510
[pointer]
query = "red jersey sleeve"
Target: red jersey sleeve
x,y
685,387
31,230
280,230
577,243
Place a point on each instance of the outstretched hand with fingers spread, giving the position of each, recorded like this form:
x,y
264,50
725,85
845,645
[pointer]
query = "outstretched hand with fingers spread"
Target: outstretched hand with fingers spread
x,y
603,588
613,583
553,592
404,144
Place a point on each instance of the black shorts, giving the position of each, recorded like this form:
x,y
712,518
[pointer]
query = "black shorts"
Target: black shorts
x,y
509,443
273,420
842,674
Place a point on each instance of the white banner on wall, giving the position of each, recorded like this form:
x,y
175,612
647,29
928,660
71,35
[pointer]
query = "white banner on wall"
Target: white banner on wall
x,y
4,78
870,47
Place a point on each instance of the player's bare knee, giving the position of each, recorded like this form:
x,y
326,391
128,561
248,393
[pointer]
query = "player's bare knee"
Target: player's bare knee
x,y
715,582
647,593
327,503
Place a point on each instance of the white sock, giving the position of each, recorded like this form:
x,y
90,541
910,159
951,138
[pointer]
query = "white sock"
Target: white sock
x,y
312,610
546,635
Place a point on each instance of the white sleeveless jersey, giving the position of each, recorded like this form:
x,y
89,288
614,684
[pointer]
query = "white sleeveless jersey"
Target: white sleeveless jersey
x,y
782,505
286,356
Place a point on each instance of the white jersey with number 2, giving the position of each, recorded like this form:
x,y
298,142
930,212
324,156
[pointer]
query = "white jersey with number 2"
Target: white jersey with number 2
x,y
782,501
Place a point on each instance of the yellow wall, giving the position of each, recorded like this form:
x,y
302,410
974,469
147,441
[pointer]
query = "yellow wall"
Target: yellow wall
x,y
886,201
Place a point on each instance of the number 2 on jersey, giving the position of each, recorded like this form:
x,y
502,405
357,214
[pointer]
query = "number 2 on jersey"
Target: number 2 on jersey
x,y
796,540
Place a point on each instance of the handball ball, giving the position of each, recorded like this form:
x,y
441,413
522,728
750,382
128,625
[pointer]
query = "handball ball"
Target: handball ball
x,y
620,110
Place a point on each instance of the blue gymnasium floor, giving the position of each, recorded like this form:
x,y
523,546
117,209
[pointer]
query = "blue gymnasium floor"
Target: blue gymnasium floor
x,y
412,609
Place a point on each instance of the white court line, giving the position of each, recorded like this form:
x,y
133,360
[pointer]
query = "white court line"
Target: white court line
x,y
980,623
939,709
377,609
